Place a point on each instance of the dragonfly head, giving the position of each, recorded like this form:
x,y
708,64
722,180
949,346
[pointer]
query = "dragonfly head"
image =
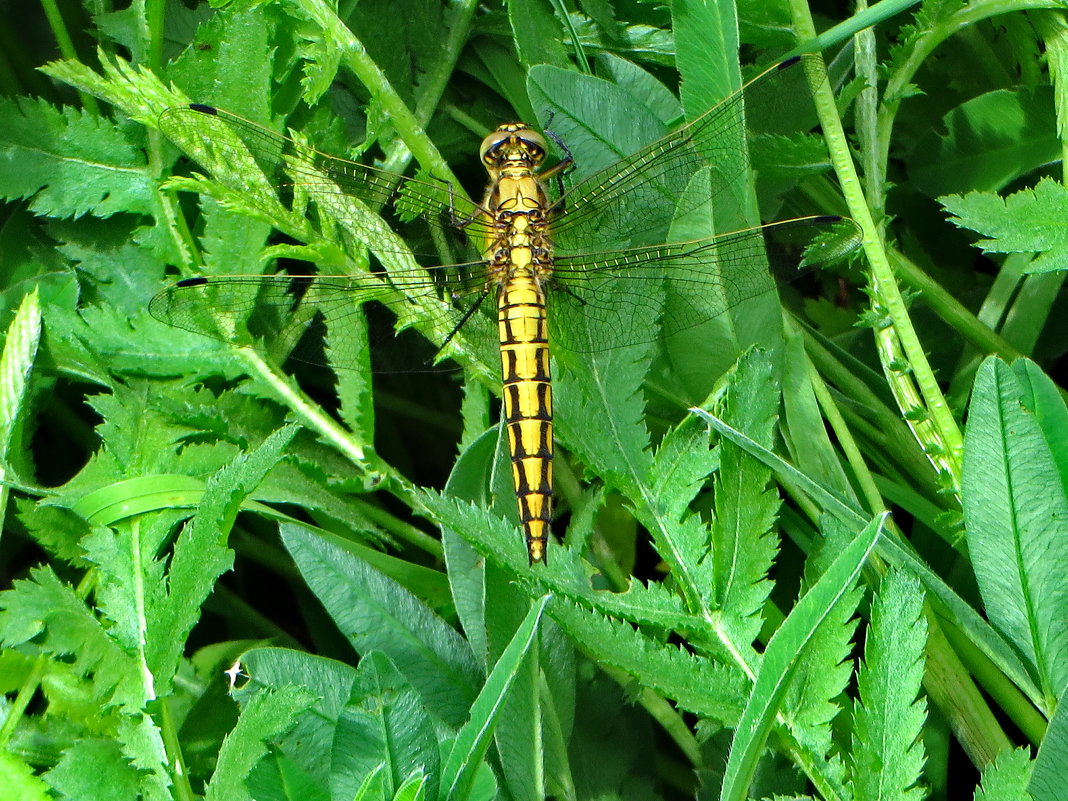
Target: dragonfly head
x,y
513,143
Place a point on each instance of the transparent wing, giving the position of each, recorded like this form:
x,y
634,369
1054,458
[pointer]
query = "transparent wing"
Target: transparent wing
x,y
258,162
677,286
288,316
594,294
634,200
594,299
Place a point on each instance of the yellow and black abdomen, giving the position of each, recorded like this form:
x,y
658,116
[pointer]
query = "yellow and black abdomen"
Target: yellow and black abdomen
x,y
528,406
519,259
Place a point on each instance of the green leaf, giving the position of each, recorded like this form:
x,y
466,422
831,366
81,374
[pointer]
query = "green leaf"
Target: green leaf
x,y
460,769
1005,779
639,82
305,754
1029,221
567,576
782,657
1051,762
517,733
1043,399
536,33
265,716
383,727
415,789
743,541
45,608
987,142
200,552
681,464
695,683
601,121
887,755
94,769
232,65
68,162
807,436
601,422
813,699
20,780
706,38
1014,509
16,362
375,613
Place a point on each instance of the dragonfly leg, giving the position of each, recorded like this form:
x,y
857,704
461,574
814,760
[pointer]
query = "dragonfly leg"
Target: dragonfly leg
x,y
566,164
466,316
561,289
454,219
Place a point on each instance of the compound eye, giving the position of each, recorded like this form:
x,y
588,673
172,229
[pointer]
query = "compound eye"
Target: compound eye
x,y
492,142
521,141
534,140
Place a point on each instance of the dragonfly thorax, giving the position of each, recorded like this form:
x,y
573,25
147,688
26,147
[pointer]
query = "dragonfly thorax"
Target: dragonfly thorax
x,y
513,144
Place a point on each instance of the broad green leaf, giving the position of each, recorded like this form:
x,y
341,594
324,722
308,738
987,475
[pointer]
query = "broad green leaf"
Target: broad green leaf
x,y
986,142
707,42
600,121
375,613
1014,502
519,729
306,753
20,347
639,82
616,767
537,32
1043,399
16,362
1051,762
470,481
383,726
415,789
808,438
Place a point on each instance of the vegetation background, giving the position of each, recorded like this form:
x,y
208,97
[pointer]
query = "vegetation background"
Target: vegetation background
x,y
221,582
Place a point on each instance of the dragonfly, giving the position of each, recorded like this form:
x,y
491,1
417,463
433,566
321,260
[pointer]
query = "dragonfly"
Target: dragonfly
x,y
557,259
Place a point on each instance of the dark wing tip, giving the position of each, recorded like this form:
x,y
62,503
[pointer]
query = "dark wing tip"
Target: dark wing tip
x,y
827,218
204,109
788,62
192,282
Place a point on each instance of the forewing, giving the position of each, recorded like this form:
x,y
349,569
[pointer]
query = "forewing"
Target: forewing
x,y
634,200
607,300
269,167
287,316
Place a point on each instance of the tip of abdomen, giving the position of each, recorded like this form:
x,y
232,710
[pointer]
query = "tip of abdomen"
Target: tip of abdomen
x,y
536,550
